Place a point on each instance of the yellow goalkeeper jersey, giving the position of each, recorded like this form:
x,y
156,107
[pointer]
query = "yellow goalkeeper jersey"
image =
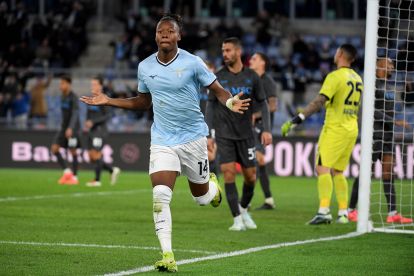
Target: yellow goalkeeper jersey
x,y
343,87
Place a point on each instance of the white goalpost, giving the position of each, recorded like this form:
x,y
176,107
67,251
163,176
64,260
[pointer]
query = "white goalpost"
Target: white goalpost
x,y
389,36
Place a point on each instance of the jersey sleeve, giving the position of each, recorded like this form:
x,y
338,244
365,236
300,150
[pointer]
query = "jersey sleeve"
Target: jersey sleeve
x,y
142,87
203,75
329,86
270,87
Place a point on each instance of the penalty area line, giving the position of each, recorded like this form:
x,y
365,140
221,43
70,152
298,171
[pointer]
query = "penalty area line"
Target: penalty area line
x,y
112,246
238,253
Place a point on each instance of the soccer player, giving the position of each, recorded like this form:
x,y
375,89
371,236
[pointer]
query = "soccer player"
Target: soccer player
x,y
170,80
383,148
340,93
259,62
95,125
68,135
234,132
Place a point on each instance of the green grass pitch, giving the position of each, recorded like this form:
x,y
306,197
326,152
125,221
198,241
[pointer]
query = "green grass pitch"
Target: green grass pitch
x,y
49,229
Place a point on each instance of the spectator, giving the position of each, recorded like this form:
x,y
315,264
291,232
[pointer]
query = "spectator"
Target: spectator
x,y
20,107
38,102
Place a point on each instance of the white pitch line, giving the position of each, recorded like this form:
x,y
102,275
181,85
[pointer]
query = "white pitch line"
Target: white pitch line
x,y
101,246
18,198
237,253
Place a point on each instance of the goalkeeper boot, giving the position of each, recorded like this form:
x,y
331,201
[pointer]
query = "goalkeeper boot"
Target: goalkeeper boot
x,y
217,198
353,215
398,218
238,224
167,264
321,219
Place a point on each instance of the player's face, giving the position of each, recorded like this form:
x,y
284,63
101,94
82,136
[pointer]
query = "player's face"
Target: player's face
x,y
231,53
96,87
167,35
256,62
64,86
385,67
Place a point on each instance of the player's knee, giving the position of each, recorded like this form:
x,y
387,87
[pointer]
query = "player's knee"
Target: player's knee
x,y
250,178
161,195
322,170
54,148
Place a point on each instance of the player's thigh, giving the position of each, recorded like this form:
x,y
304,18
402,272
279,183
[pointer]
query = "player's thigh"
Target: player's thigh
x,y
163,159
59,141
94,154
260,158
342,162
334,150
194,160
95,141
74,142
246,152
226,150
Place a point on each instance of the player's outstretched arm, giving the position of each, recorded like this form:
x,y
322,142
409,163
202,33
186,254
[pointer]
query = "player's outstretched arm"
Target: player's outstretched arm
x,y
312,107
235,104
142,101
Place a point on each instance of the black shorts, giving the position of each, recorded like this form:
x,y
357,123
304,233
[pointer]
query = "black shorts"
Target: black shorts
x,y
258,139
241,151
96,141
381,147
71,143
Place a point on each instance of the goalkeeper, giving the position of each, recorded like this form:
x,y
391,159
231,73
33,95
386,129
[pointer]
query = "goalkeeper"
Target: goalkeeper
x,y
383,147
340,93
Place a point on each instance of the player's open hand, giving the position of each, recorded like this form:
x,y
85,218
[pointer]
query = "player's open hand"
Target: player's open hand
x,y
266,138
239,105
286,127
98,98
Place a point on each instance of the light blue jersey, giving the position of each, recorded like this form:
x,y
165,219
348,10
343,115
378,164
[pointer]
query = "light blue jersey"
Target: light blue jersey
x,y
175,90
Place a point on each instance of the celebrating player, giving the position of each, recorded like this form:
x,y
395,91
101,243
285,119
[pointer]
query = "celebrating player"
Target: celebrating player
x,y
170,80
234,132
68,135
259,62
340,93
95,125
383,148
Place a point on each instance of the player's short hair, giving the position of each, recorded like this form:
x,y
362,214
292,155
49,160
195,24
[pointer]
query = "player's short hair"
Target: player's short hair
x,y
350,51
233,40
99,78
66,78
265,58
173,17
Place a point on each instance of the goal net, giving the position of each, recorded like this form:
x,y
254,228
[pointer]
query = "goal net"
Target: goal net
x,y
389,153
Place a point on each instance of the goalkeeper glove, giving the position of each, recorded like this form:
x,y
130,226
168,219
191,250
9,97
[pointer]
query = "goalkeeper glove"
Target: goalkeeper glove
x,y
287,126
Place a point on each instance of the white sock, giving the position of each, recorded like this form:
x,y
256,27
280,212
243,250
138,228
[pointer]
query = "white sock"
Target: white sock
x,y
270,201
162,216
342,212
324,210
67,170
392,213
207,197
238,219
242,210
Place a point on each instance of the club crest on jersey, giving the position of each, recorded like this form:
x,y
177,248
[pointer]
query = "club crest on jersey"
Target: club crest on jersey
x,y
179,72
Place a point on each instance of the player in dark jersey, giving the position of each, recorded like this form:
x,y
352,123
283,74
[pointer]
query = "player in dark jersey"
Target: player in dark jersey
x,y
95,125
259,63
68,135
234,133
383,148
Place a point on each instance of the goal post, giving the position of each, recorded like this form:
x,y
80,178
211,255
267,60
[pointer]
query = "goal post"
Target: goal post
x,y
367,115
386,204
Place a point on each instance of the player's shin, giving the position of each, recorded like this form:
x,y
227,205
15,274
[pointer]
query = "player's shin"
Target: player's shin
x,y
162,216
248,191
341,191
232,198
325,188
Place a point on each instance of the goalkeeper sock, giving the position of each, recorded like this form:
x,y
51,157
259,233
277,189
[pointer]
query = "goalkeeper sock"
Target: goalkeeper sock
x,y
162,215
325,188
264,181
341,191
232,198
248,191
389,191
354,194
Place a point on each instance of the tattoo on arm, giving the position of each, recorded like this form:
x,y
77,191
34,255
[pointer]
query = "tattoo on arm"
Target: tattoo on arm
x,y
315,105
